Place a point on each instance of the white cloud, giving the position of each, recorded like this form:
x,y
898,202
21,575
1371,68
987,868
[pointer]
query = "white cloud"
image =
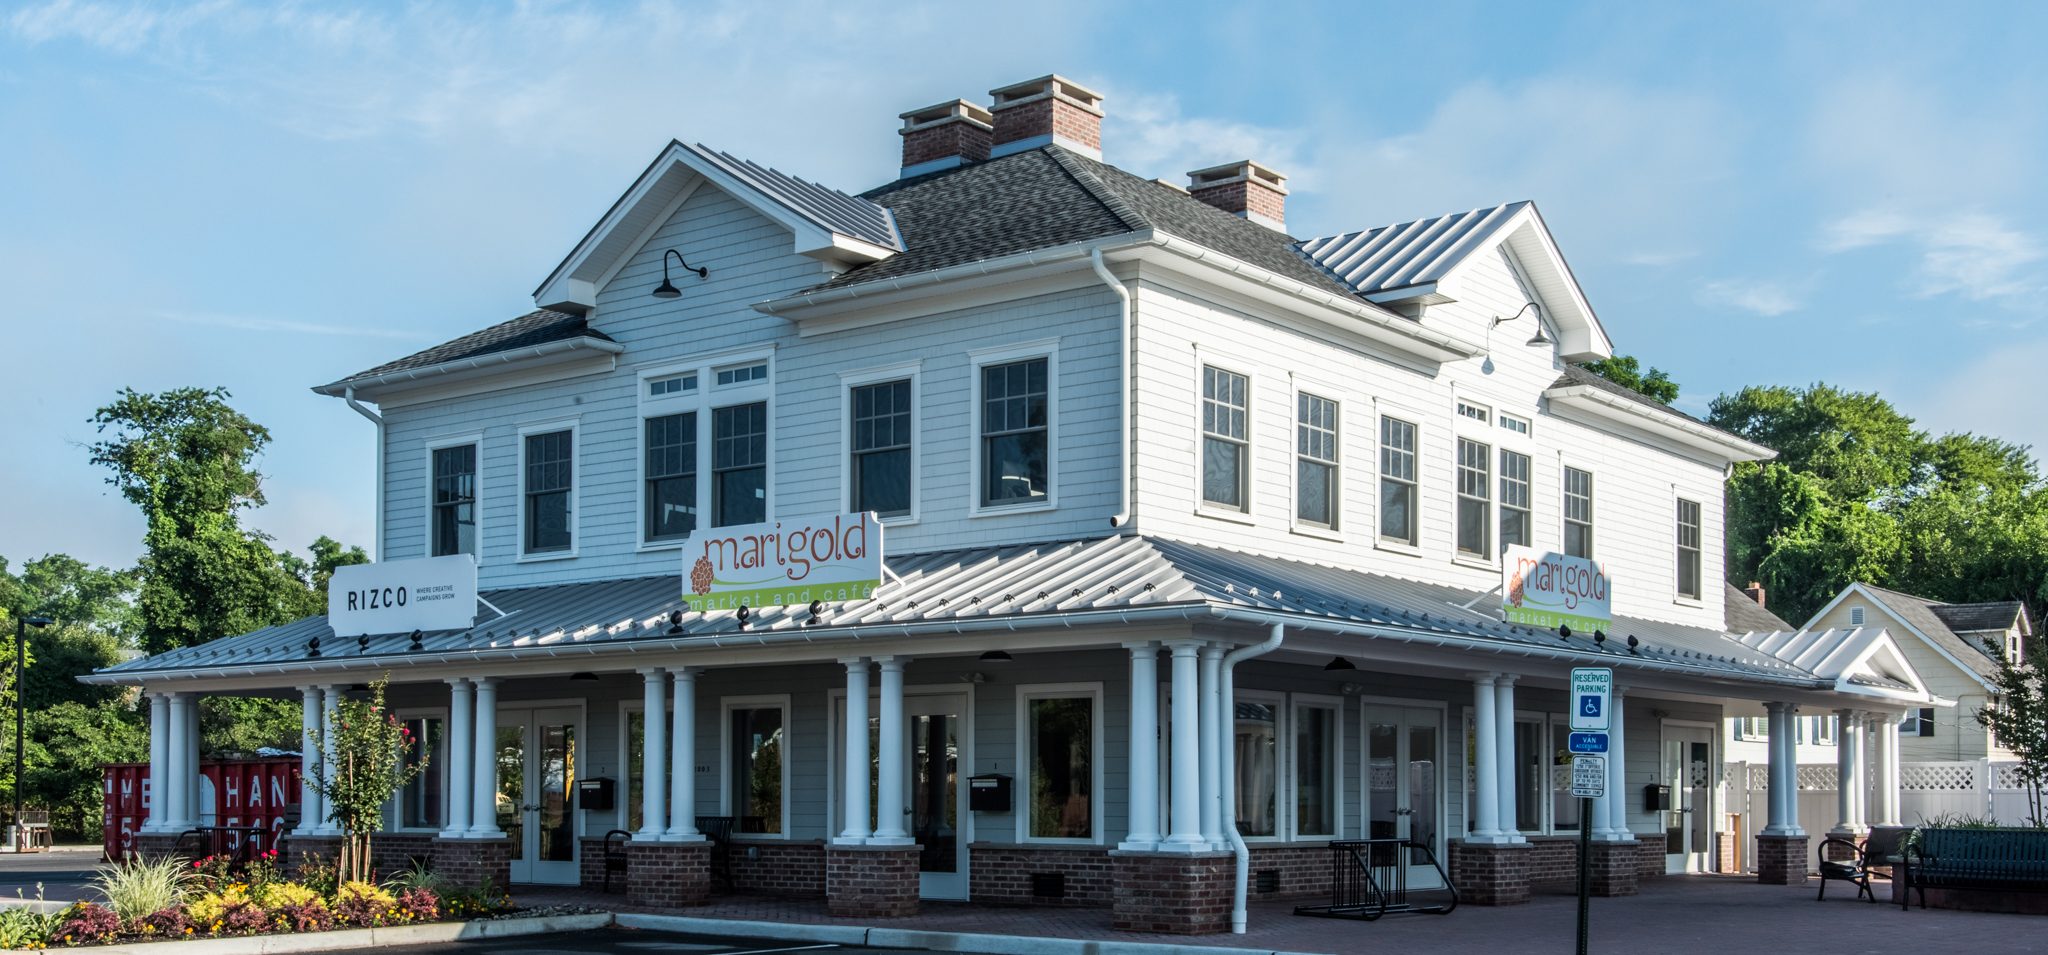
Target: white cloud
x,y
1974,255
1768,299
1152,136
1859,229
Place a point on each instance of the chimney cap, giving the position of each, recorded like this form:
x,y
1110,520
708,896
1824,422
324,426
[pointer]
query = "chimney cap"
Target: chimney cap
x,y
950,111
1049,86
1244,170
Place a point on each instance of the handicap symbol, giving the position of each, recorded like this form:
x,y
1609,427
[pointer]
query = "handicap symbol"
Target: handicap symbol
x,y
1589,706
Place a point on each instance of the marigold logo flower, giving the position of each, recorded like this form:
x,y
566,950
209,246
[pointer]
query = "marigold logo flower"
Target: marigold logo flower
x,y
700,577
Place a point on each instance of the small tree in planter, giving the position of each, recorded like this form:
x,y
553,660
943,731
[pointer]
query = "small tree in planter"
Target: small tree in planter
x,y
2018,717
370,764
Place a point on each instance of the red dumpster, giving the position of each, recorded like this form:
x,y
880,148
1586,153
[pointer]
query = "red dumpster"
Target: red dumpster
x,y
245,800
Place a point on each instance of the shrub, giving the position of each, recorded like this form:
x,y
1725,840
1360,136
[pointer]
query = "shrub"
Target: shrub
x,y
136,888
309,916
317,874
417,905
167,923
416,876
210,911
484,899
22,927
279,895
89,922
361,903
245,919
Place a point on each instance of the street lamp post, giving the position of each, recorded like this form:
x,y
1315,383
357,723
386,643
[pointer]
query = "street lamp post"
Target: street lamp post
x,y
21,714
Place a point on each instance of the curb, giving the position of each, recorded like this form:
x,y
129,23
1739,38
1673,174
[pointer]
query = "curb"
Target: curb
x,y
964,942
397,935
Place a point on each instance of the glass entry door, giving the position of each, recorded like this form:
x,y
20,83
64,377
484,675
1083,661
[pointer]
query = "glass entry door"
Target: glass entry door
x,y
935,792
1404,782
536,782
1688,768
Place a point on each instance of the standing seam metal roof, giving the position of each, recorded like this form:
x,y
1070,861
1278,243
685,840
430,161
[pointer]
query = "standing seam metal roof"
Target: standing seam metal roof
x,y
828,208
1410,253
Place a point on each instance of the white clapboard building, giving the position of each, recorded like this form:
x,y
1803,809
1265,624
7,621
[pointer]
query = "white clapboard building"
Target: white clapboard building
x,y
1190,542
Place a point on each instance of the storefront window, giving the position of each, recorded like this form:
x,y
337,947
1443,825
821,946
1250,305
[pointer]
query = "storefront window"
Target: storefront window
x,y
1315,771
1564,807
419,803
1061,758
1257,757
757,777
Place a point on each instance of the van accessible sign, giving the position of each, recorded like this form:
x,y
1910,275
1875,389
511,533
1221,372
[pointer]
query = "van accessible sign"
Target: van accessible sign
x,y
1545,589
832,559
400,596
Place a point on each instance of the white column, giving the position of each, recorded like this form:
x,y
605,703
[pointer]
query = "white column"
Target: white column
x,y
857,762
1184,816
1859,793
331,696
893,764
1504,738
1218,720
312,807
195,812
461,770
1845,775
1142,815
653,754
682,761
483,811
1485,761
174,793
1784,801
1617,769
1886,727
159,755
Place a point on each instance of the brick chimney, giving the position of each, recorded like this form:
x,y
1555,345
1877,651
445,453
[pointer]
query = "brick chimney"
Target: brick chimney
x,y
1048,110
944,135
1755,591
1245,189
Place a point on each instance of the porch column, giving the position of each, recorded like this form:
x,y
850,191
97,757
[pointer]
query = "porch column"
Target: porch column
x,y
331,696
1610,812
1885,726
461,772
1485,761
1185,809
1504,738
159,752
1218,719
653,754
1845,774
682,762
176,810
195,813
892,762
856,801
1859,793
1142,815
1784,801
483,819
312,808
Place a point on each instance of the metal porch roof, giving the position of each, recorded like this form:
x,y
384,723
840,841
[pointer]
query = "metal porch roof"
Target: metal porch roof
x,y
1410,253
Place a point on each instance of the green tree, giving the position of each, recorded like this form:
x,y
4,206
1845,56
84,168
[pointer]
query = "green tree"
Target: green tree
x,y
2018,718
1856,444
370,746
1627,371
67,744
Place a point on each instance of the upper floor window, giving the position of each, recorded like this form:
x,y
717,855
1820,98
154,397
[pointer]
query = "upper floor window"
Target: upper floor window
x,y
1475,412
671,492
672,385
1225,397
1578,513
1315,498
1855,616
1475,480
748,373
1514,499
1918,723
1015,432
1397,480
1517,425
880,445
454,507
550,475
1688,549
739,464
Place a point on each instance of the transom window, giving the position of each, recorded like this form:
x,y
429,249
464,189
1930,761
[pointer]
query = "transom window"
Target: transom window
x,y
1316,494
1475,412
1514,499
881,447
550,476
1512,423
1578,513
671,476
1397,480
739,464
1475,480
1014,432
672,385
1225,397
454,518
1688,549
740,374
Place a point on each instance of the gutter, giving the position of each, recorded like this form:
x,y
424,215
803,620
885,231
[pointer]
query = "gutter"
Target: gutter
x,y
1227,754
480,362
1123,392
348,394
1716,438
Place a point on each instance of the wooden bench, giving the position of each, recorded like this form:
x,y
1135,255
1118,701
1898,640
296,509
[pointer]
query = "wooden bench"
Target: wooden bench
x,y
1996,860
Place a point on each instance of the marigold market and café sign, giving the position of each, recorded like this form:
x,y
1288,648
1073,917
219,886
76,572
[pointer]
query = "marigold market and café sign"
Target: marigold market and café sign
x,y
400,596
831,559
1545,589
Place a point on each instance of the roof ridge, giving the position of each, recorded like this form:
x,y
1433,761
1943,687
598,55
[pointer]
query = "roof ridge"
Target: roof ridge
x,y
1093,185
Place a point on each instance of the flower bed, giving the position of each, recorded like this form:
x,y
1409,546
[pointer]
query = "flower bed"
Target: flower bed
x,y
164,899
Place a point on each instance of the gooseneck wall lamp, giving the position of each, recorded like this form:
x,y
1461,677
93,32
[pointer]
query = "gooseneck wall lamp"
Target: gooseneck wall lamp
x,y
1539,339
668,289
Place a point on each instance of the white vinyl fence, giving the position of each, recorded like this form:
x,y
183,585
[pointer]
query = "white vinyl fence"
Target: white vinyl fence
x,y
1979,788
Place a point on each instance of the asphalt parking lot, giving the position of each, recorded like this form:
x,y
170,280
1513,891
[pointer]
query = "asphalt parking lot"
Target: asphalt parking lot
x,y
618,941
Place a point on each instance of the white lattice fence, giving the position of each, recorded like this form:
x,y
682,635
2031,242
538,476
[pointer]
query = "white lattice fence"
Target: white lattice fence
x,y
1971,788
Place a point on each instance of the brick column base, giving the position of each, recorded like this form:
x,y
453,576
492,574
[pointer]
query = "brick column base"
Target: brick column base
x,y
155,845
1781,860
1177,893
1612,868
871,881
470,863
668,874
1488,874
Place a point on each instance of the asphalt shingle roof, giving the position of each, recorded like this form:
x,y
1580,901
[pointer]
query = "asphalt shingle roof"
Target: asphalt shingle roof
x,y
1744,615
533,328
1920,613
1967,618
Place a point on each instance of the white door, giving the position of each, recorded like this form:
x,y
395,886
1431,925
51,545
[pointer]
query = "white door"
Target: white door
x,y
1404,782
1688,768
935,789
537,753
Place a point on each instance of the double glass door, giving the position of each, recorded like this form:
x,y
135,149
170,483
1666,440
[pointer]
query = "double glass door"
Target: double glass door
x,y
934,792
1687,767
536,785
1404,782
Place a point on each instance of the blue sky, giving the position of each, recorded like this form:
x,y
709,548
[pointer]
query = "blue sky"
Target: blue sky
x,y
268,196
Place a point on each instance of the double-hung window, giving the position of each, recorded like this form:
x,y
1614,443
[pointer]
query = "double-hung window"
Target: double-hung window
x,y
739,464
671,492
1688,549
880,444
1475,481
454,507
1015,432
1514,499
704,446
550,476
1316,488
1578,513
1397,480
1225,400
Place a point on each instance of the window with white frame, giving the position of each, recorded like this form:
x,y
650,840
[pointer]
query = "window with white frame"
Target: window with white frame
x,y
1225,447
549,479
672,385
671,492
1855,616
1819,730
1316,487
420,801
1475,481
1256,753
748,373
739,464
1542,774
1016,425
1752,727
880,470
454,501
1920,723
1578,513
757,765
1061,730
1477,413
1688,549
1515,520
1398,520
1317,741
1517,425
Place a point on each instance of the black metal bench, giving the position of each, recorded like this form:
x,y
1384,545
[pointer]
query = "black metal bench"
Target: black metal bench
x,y
1370,878
1999,860
1874,859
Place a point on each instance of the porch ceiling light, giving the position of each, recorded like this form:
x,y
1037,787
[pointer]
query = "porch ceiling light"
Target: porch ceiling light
x,y
1339,663
667,289
996,656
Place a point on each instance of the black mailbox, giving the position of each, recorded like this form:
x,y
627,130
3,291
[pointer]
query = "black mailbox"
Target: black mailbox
x,y
594,794
989,792
1656,797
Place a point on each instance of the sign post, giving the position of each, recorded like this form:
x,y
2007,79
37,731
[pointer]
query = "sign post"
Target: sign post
x,y
1592,698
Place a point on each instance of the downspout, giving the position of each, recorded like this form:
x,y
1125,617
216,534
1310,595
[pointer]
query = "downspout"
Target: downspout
x,y
1124,384
348,394
1227,757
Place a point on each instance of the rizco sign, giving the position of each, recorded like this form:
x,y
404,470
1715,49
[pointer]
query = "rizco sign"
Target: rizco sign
x,y
831,559
1546,589
400,596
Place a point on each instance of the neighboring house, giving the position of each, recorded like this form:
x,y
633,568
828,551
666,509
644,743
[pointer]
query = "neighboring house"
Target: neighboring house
x,y
1749,735
1946,644
1100,417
